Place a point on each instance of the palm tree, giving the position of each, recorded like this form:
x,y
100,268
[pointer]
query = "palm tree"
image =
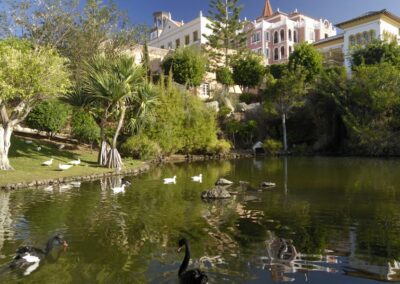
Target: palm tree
x,y
113,82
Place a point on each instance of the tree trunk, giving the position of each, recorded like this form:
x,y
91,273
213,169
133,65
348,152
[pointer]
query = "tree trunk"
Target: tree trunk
x,y
285,148
114,158
5,143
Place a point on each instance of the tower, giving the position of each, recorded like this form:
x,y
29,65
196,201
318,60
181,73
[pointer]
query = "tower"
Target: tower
x,y
267,12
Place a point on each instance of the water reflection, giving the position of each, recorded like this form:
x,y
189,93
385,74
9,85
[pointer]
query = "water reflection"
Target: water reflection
x,y
328,219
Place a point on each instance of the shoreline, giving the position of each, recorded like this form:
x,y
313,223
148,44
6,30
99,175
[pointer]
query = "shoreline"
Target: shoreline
x,y
145,167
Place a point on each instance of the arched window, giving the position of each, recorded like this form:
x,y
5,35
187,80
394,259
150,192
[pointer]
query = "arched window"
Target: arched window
x,y
276,37
352,40
282,52
372,34
358,37
290,50
276,54
282,35
366,37
294,36
290,34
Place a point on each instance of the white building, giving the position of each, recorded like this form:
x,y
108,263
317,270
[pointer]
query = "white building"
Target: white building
x,y
361,30
170,34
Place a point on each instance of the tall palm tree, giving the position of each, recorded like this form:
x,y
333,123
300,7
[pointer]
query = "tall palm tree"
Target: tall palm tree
x,y
114,83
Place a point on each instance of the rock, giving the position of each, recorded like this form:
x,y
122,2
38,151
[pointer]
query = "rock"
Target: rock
x,y
217,192
223,181
214,105
266,184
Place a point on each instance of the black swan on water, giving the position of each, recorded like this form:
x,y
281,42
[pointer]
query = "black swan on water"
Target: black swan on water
x,y
28,257
189,276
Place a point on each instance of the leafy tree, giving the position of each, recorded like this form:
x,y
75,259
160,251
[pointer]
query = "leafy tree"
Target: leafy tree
x,y
187,65
248,70
114,82
285,94
306,58
224,76
49,116
146,61
84,127
375,53
28,75
227,31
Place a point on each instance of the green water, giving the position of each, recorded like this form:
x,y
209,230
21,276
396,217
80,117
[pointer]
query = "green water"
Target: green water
x,y
341,214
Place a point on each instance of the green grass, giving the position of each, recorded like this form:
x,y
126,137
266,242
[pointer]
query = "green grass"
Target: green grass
x,y
27,162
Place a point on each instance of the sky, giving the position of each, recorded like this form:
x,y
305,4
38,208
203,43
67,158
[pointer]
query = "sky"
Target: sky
x,y
140,11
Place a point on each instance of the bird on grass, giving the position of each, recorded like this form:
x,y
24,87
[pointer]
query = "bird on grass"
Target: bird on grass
x,y
75,162
64,167
48,163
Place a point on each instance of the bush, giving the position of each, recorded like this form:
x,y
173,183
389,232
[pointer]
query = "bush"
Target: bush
x,y
224,76
84,127
221,147
140,147
49,116
272,146
246,98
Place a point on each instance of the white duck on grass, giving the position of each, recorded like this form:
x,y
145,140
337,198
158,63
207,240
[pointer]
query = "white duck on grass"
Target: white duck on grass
x,y
198,178
75,162
48,163
64,167
170,180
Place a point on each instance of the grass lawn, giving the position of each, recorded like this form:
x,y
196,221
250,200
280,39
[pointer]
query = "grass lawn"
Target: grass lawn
x,y
27,162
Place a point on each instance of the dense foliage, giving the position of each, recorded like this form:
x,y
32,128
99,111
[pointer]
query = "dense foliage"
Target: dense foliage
x,y
248,70
140,147
49,116
375,53
224,76
187,65
84,127
305,58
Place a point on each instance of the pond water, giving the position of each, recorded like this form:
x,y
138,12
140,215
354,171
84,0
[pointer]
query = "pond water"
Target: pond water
x,y
328,220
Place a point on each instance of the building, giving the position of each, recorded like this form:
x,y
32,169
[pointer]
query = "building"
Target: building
x,y
381,25
170,34
274,34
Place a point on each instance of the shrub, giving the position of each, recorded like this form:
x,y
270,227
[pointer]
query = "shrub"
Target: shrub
x,y
221,147
224,111
272,146
84,127
246,98
49,116
140,147
224,76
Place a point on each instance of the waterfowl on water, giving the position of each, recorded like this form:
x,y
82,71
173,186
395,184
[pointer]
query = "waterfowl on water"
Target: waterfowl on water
x,y
192,276
170,180
119,189
198,178
48,163
28,257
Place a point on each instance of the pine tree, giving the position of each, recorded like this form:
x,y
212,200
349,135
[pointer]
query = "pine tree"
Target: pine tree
x,y
227,31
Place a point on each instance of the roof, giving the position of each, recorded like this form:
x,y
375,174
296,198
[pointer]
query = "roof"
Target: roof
x,y
267,12
329,39
369,15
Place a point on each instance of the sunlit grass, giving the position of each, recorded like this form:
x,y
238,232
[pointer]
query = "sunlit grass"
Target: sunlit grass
x,y
27,162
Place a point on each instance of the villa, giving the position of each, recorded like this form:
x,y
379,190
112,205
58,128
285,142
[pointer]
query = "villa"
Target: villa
x,y
382,25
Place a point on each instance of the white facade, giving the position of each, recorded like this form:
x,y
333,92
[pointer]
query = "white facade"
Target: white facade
x,y
172,34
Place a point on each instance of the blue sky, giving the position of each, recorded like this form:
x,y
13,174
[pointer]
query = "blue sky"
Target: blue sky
x,y
140,11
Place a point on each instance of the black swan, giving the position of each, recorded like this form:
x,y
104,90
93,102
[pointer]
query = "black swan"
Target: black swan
x,y
189,276
29,257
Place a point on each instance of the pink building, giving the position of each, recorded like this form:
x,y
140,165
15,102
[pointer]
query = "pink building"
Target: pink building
x,y
274,34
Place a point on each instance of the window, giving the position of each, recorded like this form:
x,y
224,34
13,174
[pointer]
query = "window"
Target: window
x,y
276,38
267,53
352,40
312,35
295,36
177,43
290,34
290,50
162,47
372,34
259,51
170,45
276,54
326,35
195,36
255,37
365,37
187,40
266,36
205,90
282,52
282,35
358,37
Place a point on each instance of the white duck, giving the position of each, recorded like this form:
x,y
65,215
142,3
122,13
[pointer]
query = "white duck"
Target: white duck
x,y
75,184
48,163
75,162
119,189
198,178
64,167
170,180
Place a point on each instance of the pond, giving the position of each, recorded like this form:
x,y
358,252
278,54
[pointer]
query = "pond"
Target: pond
x,y
328,220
